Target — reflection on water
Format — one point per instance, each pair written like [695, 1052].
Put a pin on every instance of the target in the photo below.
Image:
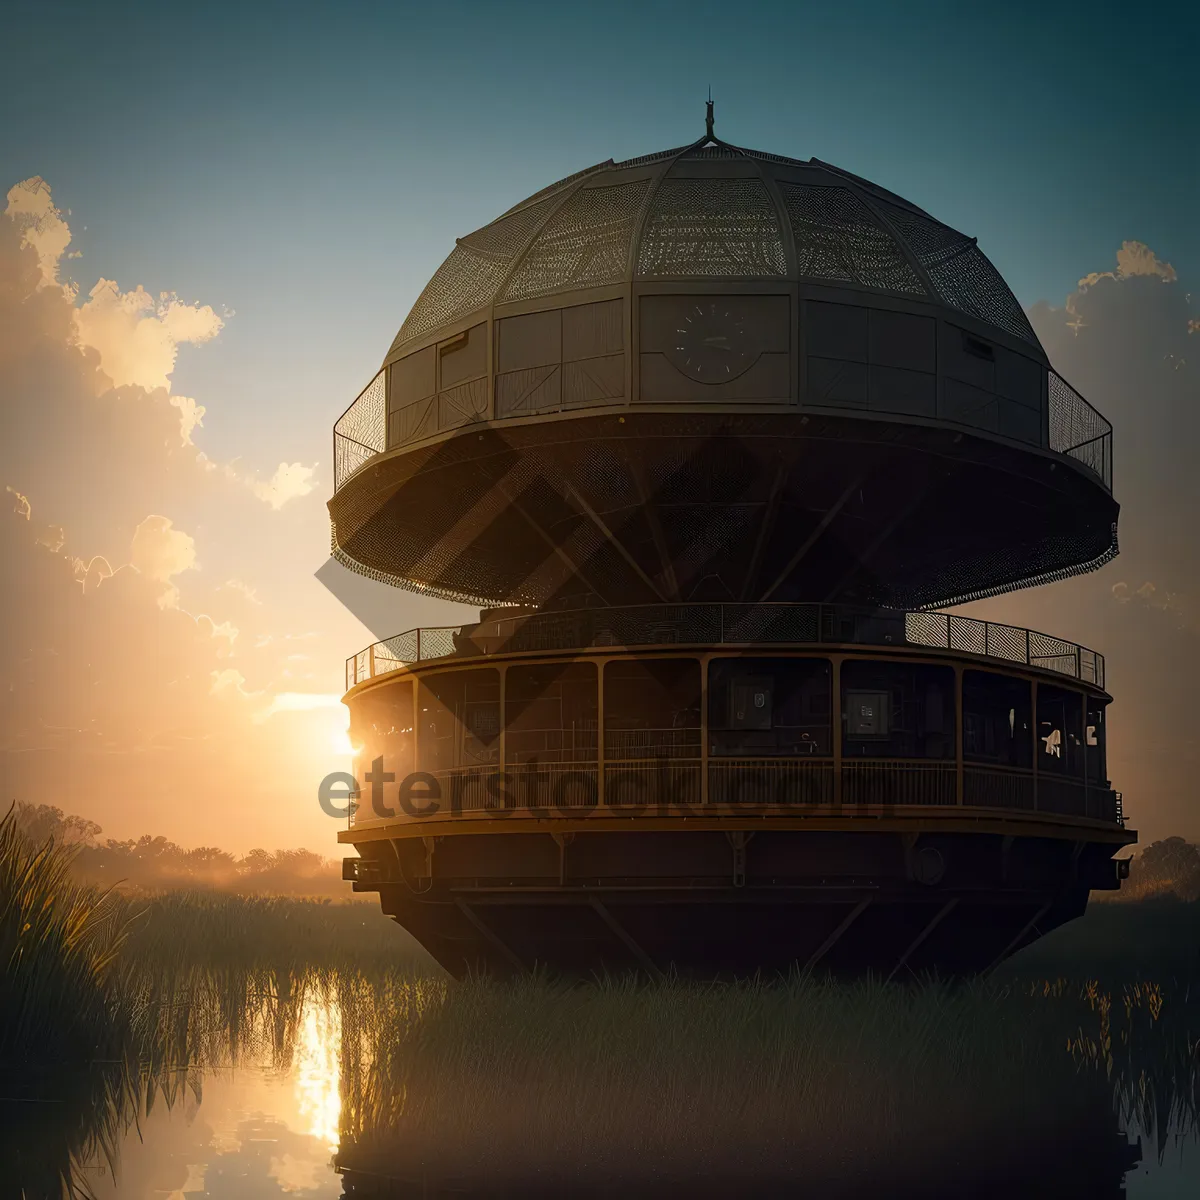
[316, 1070]
[327, 1084]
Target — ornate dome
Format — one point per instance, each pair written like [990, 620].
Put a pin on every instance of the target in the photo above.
[713, 211]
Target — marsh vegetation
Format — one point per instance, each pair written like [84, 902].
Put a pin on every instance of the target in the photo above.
[113, 1004]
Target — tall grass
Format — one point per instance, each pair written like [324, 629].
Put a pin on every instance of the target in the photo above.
[807, 1078]
[58, 944]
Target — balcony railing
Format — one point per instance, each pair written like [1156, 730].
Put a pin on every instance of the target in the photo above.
[728, 624]
[361, 431]
[1076, 430]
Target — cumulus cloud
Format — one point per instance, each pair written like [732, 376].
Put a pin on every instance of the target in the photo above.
[138, 335]
[133, 684]
[160, 551]
[290, 481]
[42, 226]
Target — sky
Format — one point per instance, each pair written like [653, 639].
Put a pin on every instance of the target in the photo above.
[238, 204]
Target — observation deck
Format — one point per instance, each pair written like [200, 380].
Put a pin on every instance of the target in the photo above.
[717, 374]
[641, 759]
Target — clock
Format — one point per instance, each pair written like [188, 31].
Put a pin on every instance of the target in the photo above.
[711, 341]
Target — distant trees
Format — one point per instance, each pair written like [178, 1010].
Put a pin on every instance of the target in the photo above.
[1171, 865]
[152, 863]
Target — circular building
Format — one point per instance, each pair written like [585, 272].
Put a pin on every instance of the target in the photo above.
[708, 434]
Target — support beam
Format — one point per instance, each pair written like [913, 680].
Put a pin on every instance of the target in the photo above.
[558, 551]
[613, 540]
[836, 935]
[901, 514]
[764, 528]
[644, 960]
[934, 922]
[1037, 916]
[490, 936]
[650, 511]
[813, 537]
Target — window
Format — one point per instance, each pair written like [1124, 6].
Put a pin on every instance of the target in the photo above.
[997, 719]
[550, 714]
[897, 710]
[381, 726]
[460, 719]
[769, 707]
[652, 709]
[1060, 731]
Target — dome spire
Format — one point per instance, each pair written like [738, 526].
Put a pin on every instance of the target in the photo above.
[708, 118]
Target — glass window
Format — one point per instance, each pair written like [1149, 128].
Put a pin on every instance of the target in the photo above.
[897, 710]
[997, 719]
[1060, 731]
[381, 726]
[550, 713]
[652, 709]
[1094, 742]
[770, 707]
[460, 719]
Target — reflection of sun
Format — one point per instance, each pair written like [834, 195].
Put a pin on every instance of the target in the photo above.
[317, 1071]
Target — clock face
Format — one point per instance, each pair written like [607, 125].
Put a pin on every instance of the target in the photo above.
[711, 342]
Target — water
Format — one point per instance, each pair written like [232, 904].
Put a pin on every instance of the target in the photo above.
[268, 1083]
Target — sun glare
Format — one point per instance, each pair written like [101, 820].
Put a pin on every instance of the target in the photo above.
[317, 1068]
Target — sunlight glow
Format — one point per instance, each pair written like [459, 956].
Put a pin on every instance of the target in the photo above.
[317, 1071]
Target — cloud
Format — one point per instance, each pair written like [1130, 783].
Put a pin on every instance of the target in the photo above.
[249, 594]
[138, 336]
[301, 702]
[41, 224]
[289, 481]
[160, 551]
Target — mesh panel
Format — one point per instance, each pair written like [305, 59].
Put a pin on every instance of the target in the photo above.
[463, 283]
[361, 431]
[969, 635]
[552, 188]
[837, 238]
[961, 273]
[468, 279]
[927, 629]
[711, 227]
[585, 243]
[1078, 430]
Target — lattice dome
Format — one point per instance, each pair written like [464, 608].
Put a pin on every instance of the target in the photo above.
[713, 211]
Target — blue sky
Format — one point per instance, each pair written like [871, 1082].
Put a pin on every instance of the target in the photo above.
[308, 166]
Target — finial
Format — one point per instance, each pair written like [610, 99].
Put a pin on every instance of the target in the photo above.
[708, 117]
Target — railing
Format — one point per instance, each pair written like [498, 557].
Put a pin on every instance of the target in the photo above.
[361, 431]
[770, 781]
[1078, 430]
[729, 624]
[895, 782]
[668, 783]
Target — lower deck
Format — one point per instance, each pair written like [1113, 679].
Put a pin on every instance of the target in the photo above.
[730, 894]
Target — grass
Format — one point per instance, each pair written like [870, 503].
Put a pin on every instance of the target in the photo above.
[814, 1079]
[108, 1002]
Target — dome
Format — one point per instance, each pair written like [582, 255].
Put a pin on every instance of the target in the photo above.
[713, 211]
[716, 374]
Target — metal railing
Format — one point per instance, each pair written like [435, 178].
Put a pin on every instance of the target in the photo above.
[1077, 430]
[361, 431]
[728, 624]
